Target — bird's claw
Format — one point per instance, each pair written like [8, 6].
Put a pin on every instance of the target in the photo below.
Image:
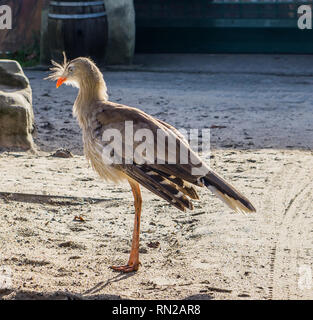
[126, 269]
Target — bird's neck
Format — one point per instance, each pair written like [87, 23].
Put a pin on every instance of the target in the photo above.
[90, 91]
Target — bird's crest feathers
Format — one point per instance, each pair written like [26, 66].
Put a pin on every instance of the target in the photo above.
[58, 69]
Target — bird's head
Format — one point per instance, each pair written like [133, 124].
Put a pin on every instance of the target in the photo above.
[81, 73]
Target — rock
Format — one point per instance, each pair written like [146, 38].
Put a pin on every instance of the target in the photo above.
[45, 56]
[153, 245]
[16, 112]
[122, 31]
[62, 153]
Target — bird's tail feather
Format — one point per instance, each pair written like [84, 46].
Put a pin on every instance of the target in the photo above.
[227, 193]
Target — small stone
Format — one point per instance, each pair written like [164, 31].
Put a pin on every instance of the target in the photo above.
[153, 245]
[62, 153]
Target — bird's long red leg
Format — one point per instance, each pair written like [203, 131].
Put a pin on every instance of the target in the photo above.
[133, 262]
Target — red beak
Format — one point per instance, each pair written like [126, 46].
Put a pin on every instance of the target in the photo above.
[61, 81]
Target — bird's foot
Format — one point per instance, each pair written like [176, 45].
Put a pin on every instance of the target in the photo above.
[131, 267]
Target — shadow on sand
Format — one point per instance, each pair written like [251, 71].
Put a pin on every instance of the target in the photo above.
[51, 199]
[90, 294]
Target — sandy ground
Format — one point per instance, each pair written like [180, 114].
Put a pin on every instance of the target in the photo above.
[262, 143]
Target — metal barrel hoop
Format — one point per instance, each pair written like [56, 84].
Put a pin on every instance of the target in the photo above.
[76, 4]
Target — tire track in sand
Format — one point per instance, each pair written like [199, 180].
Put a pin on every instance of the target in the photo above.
[293, 222]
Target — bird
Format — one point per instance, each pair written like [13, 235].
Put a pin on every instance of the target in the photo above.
[173, 181]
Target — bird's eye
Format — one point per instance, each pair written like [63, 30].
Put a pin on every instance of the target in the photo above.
[70, 69]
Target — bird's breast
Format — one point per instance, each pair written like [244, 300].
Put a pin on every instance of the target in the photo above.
[93, 150]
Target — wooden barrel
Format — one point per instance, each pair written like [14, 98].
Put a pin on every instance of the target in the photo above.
[79, 28]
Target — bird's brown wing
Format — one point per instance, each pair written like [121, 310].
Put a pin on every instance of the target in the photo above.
[164, 173]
